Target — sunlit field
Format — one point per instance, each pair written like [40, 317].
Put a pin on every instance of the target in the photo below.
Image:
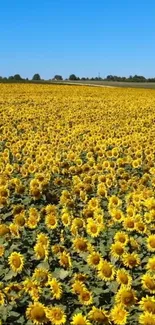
[77, 205]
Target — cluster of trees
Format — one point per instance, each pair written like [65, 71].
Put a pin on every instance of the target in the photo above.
[73, 77]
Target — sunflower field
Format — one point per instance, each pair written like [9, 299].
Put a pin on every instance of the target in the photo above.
[77, 205]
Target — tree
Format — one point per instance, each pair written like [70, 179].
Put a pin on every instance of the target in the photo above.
[11, 78]
[73, 77]
[58, 77]
[17, 77]
[36, 77]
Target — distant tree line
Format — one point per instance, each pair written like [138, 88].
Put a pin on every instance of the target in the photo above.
[73, 77]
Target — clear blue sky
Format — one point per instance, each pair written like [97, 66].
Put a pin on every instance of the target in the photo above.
[77, 36]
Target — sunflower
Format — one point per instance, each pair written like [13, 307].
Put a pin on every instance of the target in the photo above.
[16, 262]
[66, 219]
[148, 282]
[32, 288]
[35, 193]
[99, 315]
[2, 300]
[106, 271]
[19, 219]
[123, 277]
[79, 319]
[101, 190]
[131, 260]
[78, 287]
[56, 288]
[14, 230]
[148, 304]
[41, 251]
[32, 222]
[37, 313]
[93, 229]
[134, 244]
[151, 243]
[4, 230]
[80, 244]
[129, 223]
[117, 215]
[2, 249]
[41, 276]
[119, 315]
[13, 291]
[65, 260]
[125, 297]
[140, 227]
[93, 259]
[78, 223]
[50, 209]
[80, 276]
[151, 264]
[114, 201]
[121, 237]
[93, 204]
[17, 209]
[117, 249]
[85, 297]
[51, 221]
[43, 239]
[147, 318]
[56, 315]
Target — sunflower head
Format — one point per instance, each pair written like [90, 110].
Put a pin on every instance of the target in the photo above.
[119, 315]
[56, 315]
[16, 262]
[99, 315]
[37, 313]
[106, 271]
[126, 297]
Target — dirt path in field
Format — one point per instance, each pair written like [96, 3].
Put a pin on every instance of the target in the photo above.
[84, 84]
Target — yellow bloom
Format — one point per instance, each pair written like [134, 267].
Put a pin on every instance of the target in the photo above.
[125, 297]
[56, 288]
[93, 259]
[79, 319]
[37, 313]
[85, 297]
[148, 304]
[78, 287]
[93, 229]
[117, 249]
[151, 243]
[123, 277]
[147, 319]
[151, 264]
[121, 237]
[80, 244]
[130, 260]
[99, 315]
[119, 315]
[41, 251]
[148, 282]
[41, 276]
[106, 271]
[56, 315]
[2, 300]
[2, 249]
[51, 221]
[65, 260]
[16, 262]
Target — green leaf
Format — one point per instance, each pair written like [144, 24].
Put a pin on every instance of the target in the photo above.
[10, 275]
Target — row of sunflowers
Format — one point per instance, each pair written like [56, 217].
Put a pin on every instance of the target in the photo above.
[77, 205]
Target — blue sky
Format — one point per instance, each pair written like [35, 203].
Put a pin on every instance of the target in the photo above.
[84, 37]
